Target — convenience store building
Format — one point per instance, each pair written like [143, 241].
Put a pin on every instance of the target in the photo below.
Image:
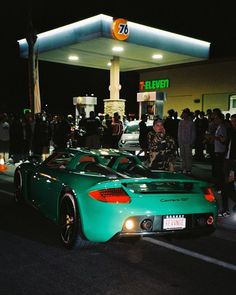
[200, 85]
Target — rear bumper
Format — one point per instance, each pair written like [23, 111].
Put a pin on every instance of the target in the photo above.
[196, 224]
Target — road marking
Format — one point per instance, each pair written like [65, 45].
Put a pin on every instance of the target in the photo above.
[175, 248]
[6, 193]
[191, 253]
[6, 178]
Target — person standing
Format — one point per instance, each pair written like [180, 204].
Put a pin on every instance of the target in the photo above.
[161, 147]
[80, 136]
[169, 123]
[16, 139]
[186, 138]
[61, 132]
[201, 125]
[4, 136]
[228, 187]
[27, 135]
[92, 125]
[220, 139]
[143, 133]
[107, 133]
[117, 130]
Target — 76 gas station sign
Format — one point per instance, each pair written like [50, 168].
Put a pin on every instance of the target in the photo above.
[120, 29]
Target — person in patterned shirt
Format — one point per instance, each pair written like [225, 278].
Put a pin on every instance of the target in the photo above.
[162, 148]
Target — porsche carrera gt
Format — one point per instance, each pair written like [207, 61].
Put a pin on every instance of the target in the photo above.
[98, 195]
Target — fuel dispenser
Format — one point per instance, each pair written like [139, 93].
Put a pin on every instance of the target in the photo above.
[151, 103]
[84, 105]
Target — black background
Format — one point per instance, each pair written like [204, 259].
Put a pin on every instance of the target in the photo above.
[212, 21]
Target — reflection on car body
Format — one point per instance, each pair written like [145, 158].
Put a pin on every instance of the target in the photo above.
[98, 195]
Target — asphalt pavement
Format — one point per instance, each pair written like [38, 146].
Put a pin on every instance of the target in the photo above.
[200, 170]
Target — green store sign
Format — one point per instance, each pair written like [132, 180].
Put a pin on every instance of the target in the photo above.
[154, 84]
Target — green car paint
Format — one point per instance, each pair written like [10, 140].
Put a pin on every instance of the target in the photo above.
[153, 196]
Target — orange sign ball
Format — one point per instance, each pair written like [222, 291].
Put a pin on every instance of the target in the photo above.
[120, 29]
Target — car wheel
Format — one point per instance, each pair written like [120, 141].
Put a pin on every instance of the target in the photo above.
[70, 224]
[19, 187]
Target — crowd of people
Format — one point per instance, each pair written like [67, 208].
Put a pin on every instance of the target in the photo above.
[25, 136]
[104, 131]
[211, 135]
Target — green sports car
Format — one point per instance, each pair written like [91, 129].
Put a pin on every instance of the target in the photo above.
[97, 195]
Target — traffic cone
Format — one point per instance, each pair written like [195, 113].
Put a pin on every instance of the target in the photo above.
[3, 167]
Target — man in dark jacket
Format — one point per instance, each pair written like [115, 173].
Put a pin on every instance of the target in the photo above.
[229, 186]
[92, 125]
[143, 132]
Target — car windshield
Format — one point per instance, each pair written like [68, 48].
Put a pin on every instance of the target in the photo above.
[108, 159]
[136, 170]
[159, 187]
[58, 160]
[92, 167]
[132, 129]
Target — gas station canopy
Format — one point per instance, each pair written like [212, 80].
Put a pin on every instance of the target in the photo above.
[93, 42]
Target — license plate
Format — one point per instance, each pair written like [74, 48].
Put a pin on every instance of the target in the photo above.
[171, 222]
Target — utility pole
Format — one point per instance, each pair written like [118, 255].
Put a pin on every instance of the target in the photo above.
[31, 40]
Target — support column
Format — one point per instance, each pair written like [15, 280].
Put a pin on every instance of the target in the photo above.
[31, 39]
[114, 103]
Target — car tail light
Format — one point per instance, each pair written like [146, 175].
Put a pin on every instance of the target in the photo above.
[209, 195]
[210, 220]
[111, 195]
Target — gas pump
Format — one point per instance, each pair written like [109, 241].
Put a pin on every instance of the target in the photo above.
[151, 103]
[83, 105]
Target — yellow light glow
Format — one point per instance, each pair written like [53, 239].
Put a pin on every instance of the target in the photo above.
[117, 49]
[129, 224]
[73, 57]
[157, 56]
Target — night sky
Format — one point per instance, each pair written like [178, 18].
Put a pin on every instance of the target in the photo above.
[212, 21]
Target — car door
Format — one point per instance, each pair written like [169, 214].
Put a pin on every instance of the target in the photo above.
[46, 184]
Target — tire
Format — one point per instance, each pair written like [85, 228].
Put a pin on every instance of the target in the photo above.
[70, 225]
[18, 182]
